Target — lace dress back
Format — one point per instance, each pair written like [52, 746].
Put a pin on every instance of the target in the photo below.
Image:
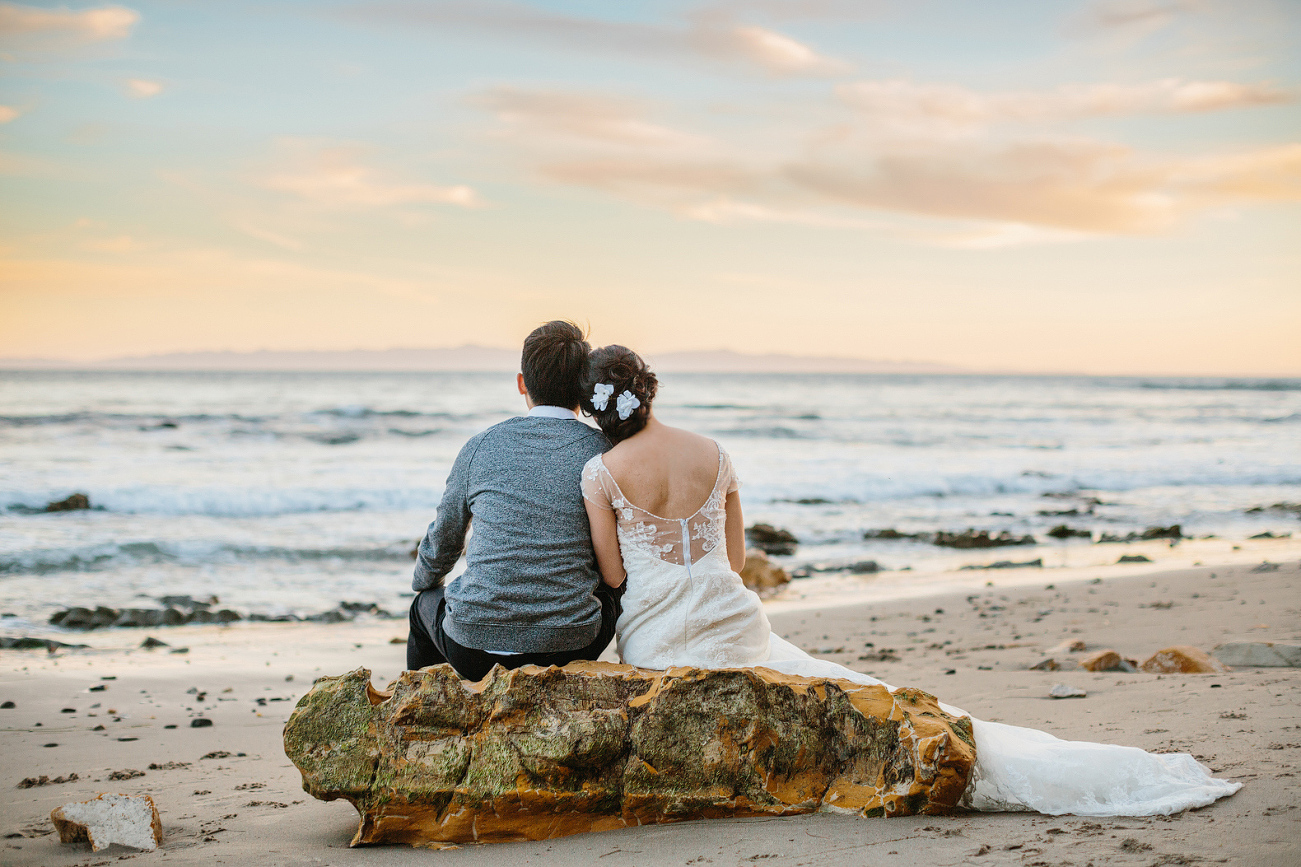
[679, 541]
[683, 605]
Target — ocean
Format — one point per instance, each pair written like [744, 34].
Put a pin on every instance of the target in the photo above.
[285, 493]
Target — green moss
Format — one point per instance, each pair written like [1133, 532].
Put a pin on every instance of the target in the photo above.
[962, 728]
[331, 736]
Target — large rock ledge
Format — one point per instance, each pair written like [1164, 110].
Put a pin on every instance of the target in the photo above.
[538, 753]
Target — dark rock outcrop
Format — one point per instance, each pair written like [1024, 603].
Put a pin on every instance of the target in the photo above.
[771, 540]
[25, 642]
[852, 567]
[1174, 533]
[891, 534]
[1285, 508]
[537, 753]
[1036, 563]
[180, 610]
[980, 539]
[1062, 531]
[74, 503]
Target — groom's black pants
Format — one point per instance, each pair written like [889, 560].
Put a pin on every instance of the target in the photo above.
[428, 644]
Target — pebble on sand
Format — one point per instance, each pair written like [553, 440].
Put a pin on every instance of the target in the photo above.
[1062, 690]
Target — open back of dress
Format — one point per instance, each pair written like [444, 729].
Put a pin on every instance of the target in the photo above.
[684, 605]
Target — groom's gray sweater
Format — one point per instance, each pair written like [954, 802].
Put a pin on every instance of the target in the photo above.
[530, 570]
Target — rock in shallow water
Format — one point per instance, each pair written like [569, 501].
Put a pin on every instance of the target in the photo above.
[74, 503]
[979, 539]
[771, 540]
[537, 753]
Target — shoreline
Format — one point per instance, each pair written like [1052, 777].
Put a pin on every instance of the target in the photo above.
[971, 652]
[891, 585]
[961, 571]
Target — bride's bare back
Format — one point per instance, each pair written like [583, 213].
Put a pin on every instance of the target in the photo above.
[664, 470]
[671, 475]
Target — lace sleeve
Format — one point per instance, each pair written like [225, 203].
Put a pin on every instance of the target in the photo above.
[730, 482]
[596, 484]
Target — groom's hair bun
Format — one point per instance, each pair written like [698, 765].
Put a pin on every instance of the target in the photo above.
[553, 362]
[625, 370]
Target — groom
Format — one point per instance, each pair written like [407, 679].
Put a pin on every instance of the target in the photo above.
[530, 593]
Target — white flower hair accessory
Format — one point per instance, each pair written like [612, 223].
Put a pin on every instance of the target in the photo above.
[626, 404]
[601, 396]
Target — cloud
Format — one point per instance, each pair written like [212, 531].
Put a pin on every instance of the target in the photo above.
[64, 25]
[726, 211]
[712, 38]
[1080, 186]
[1266, 175]
[143, 88]
[768, 49]
[335, 177]
[1131, 17]
[794, 10]
[8, 113]
[1073, 186]
[908, 106]
[582, 117]
[1030, 189]
[994, 236]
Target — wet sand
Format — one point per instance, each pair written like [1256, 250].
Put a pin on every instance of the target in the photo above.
[227, 794]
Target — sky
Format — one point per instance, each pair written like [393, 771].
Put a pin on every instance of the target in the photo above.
[1044, 186]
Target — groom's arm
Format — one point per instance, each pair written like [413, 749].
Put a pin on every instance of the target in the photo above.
[444, 541]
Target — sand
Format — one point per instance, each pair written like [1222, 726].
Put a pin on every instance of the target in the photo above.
[228, 795]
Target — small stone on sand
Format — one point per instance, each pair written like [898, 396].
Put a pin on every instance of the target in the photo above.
[127, 820]
[1062, 690]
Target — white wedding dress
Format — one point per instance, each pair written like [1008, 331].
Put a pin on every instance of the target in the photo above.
[684, 606]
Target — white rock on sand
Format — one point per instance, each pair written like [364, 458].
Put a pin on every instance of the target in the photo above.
[130, 820]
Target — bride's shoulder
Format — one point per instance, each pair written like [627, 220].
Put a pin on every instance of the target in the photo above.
[695, 442]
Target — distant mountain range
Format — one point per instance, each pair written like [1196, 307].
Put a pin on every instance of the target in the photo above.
[471, 357]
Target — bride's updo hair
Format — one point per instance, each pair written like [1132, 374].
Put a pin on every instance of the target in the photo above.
[621, 368]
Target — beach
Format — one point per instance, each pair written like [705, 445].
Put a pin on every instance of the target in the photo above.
[227, 793]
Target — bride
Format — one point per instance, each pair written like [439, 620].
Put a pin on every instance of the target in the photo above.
[666, 518]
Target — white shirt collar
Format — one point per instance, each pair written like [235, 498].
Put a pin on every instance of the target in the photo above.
[553, 412]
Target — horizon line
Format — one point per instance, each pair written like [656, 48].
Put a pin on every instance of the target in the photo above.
[501, 359]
